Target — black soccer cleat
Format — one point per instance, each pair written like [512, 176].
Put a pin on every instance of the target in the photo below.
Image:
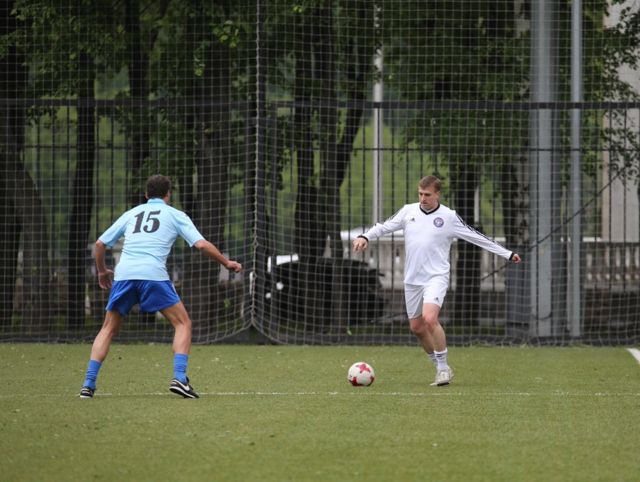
[183, 389]
[86, 392]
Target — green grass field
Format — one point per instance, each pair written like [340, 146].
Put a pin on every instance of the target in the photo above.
[275, 413]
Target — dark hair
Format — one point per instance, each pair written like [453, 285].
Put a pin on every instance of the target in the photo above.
[158, 186]
[429, 181]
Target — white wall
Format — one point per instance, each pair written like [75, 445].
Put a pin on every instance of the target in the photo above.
[620, 210]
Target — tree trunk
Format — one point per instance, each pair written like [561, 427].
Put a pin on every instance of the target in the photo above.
[138, 131]
[15, 79]
[328, 117]
[468, 266]
[317, 211]
[309, 224]
[9, 238]
[23, 195]
[203, 300]
[79, 223]
[514, 189]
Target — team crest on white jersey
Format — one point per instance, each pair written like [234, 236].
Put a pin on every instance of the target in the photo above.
[438, 222]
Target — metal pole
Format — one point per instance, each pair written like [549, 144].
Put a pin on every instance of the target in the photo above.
[260, 216]
[377, 129]
[545, 260]
[575, 276]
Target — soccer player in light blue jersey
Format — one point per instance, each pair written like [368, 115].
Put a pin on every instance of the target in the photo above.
[429, 229]
[141, 277]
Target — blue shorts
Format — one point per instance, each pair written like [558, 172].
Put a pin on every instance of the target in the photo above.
[152, 296]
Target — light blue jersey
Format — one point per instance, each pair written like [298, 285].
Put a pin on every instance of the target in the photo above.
[149, 233]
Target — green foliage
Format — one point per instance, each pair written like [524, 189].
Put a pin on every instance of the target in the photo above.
[190, 33]
[477, 51]
[66, 45]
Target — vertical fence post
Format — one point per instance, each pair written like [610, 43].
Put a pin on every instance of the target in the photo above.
[575, 275]
[260, 174]
[545, 179]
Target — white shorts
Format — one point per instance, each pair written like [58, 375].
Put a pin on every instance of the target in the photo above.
[417, 295]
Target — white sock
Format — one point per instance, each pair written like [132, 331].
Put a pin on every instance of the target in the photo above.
[433, 358]
[441, 357]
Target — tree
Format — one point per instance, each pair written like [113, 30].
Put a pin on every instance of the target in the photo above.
[22, 195]
[471, 53]
[67, 54]
[70, 50]
[21, 212]
[323, 59]
[479, 52]
[140, 27]
[202, 56]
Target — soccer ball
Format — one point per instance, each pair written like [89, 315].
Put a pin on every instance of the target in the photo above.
[361, 374]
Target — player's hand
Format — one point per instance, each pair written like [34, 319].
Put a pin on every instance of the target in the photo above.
[360, 244]
[515, 259]
[234, 266]
[104, 279]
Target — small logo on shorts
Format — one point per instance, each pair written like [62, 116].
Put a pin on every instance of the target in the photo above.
[438, 222]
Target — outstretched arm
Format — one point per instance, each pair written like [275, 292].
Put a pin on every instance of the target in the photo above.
[210, 251]
[394, 223]
[462, 230]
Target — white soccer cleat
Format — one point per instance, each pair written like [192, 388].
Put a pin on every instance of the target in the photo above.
[443, 377]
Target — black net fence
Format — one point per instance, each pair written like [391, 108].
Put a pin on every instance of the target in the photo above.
[289, 130]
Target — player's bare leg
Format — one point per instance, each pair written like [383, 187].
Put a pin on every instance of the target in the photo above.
[100, 350]
[111, 326]
[428, 330]
[179, 318]
[430, 312]
[419, 329]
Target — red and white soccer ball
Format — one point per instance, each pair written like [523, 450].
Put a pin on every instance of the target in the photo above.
[361, 374]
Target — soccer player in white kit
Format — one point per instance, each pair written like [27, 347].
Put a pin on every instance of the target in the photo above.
[429, 229]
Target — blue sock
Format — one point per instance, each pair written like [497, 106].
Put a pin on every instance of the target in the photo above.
[92, 374]
[180, 367]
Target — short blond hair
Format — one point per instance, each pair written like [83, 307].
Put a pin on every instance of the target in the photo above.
[429, 181]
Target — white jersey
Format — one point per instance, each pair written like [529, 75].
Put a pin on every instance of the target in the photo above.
[427, 240]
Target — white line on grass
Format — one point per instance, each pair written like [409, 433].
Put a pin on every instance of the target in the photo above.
[412, 394]
[351, 393]
[635, 352]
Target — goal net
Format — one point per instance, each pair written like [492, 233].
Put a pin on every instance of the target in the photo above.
[288, 130]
